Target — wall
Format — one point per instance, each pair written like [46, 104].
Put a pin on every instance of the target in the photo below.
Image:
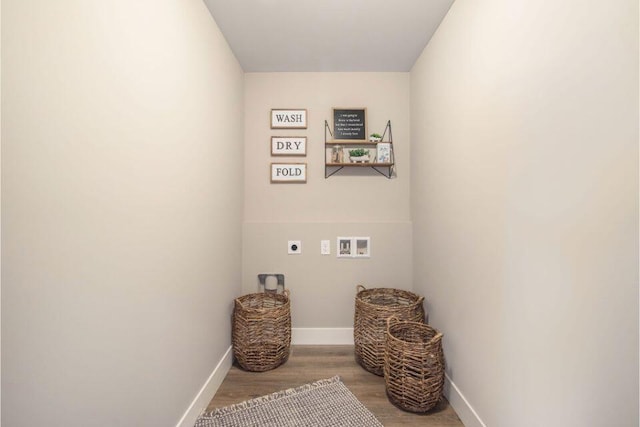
[351, 203]
[524, 125]
[0, 209]
[121, 218]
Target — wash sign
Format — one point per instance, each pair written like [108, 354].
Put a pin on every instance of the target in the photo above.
[288, 119]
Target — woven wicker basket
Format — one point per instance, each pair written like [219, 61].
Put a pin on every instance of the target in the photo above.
[262, 330]
[413, 365]
[373, 308]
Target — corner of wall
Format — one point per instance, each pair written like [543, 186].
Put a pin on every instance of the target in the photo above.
[207, 391]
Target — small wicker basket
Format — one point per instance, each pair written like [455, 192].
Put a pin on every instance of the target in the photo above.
[413, 365]
[261, 333]
[373, 308]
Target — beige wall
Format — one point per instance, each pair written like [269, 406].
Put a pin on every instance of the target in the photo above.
[123, 183]
[524, 125]
[121, 243]
[0, 211]
[351, 203]
[323, 287]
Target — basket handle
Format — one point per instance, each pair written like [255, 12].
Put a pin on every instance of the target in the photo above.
[389, 320]
[437, 337]
[360, 288]
[286, 293]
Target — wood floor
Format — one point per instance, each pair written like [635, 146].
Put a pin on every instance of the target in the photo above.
[311, 363]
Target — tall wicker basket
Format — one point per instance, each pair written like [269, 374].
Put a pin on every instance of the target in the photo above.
[262, 330]
[413, 365]
[373, 308]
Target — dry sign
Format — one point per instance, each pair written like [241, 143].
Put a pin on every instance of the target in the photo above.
[288, 172]
[288, 145]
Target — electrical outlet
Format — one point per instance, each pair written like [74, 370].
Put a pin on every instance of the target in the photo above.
[294, 247]
[325, 247]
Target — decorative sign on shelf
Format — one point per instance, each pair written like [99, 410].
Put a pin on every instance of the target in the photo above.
[288, 145]
[383, 150]
[350, 124]
[288, 172]
[288, 119]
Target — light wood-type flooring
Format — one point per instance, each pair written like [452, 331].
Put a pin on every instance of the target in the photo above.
[311, 363]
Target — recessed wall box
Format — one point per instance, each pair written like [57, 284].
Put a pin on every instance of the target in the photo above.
[294, 247]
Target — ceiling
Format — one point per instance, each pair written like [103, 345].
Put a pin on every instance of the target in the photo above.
[327, 35]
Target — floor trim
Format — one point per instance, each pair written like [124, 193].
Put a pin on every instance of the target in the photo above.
[207, 391]
[316, 336]
[460, 404]
[322, 336]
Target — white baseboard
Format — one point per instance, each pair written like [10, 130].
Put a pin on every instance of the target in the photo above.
[207, 391]
[322, 336]
[316, 336]
[299, 336]
[459, 403]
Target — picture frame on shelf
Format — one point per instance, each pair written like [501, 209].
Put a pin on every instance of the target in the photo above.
[383, 152]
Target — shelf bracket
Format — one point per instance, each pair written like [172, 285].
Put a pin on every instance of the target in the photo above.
[332, 173]
[386, 175]
[327, 128]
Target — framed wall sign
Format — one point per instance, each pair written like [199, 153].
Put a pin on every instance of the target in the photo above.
[288, 118]
[350, 124]
[288, 173]
[288, 145]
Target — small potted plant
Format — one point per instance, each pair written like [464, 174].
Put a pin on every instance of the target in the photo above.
[359, 155]
[375, 137]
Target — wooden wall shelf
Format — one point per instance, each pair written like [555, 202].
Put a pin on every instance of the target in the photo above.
[331, 167]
